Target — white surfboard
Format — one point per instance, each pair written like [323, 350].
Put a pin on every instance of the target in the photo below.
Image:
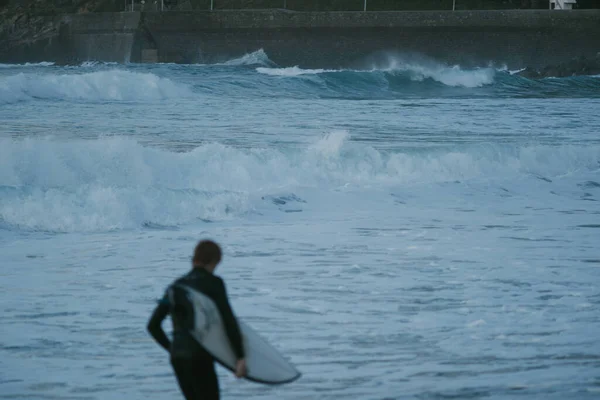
[264, 364]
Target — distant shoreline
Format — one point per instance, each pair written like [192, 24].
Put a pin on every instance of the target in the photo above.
[517, 38]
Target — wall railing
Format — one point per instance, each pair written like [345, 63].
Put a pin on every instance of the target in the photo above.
[356, 5]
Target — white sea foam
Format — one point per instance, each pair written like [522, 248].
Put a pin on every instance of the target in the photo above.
[28, 65]
[258, 57]
[447, 75]
[94, 86]
[118, 183]
[293, 71]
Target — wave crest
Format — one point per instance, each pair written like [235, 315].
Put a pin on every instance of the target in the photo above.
[294, 71]
[112, 85]
[258, 57]
[394, 67]
[28, 65]
[110, 184]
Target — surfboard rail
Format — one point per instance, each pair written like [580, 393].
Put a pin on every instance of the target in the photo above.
[265, 364]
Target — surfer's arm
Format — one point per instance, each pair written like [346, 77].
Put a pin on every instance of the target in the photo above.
[155, 324]
[229, 321]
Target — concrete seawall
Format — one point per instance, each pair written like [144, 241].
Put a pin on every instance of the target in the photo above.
[517, 38]
[100, 37]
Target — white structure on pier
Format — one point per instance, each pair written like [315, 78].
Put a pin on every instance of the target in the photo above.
[562, 4]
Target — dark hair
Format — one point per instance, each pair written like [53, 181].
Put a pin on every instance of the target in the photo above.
[207, 252]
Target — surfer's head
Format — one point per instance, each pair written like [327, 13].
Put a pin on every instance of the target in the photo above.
[207, 255]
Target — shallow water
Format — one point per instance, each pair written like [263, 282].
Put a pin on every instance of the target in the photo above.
[407, 231]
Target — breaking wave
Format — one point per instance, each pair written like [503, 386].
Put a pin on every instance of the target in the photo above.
[397, 77]
[258, 57]
[114, 85]
[28, 65]
[108, 184]
[449, 76]
[255, 75]
[294, 71]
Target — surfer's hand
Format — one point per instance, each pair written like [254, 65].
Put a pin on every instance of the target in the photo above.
[240, 368]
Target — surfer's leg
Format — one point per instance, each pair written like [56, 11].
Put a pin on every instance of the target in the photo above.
[210, 382]
[197, 378]
[184, 371]
[205, 381]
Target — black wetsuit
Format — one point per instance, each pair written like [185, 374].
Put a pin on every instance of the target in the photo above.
[193, 366]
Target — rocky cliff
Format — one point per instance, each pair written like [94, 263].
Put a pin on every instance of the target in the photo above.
[29, 27]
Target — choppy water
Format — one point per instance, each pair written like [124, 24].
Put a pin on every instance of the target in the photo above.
[406, 231]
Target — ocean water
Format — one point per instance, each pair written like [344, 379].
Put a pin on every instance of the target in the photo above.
[410, 230]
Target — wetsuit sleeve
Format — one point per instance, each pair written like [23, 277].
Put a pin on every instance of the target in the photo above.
[231, 326]
[155, 323]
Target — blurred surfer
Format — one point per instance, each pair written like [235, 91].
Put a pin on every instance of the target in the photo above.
[194, 366]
